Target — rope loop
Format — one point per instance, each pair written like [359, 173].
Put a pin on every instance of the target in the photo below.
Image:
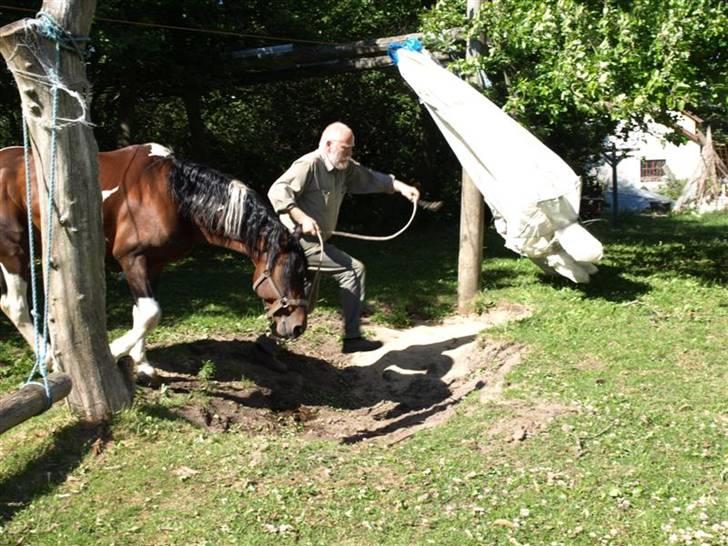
[379, 237]
[315, 280]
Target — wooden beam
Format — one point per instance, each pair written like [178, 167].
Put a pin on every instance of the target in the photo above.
[31, 400]
[289, 55]
[293, 62]
[326, 68]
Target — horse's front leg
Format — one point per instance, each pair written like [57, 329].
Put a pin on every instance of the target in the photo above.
[146, 314]
[14, 304]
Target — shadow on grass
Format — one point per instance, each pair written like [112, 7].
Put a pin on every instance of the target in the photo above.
[48, 469]
[608, 284]
[410, 378]
[311, 380]
[640, 247]
[159, 412]
[671, 246]
[210, 277]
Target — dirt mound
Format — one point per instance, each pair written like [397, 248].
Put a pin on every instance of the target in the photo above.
[414, 381]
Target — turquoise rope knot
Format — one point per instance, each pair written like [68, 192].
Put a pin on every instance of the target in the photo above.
[49, 28]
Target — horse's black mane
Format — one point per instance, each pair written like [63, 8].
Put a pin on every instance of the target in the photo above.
[203, 195]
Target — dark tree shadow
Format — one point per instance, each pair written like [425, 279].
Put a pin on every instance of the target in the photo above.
[50, 468]
[670, 246]
[209, 278]
[608, 284]
[410, 378]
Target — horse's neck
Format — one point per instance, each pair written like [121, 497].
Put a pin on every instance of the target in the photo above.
[223, 242]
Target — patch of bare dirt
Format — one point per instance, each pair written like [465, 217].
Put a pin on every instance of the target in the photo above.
[415, 381]
[526, 421]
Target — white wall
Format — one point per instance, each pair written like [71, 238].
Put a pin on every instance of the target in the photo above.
[681, 160]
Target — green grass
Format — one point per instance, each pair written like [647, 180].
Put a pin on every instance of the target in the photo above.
[640, 354]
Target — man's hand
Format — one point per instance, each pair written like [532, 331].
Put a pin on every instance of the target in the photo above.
[308, 224]
[407, 191]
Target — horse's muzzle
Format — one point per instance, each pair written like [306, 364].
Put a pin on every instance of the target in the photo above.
[290, 326]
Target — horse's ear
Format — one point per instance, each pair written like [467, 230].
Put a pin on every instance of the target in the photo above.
[297, 232]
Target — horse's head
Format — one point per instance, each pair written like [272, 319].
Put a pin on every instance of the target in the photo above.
[279, 280]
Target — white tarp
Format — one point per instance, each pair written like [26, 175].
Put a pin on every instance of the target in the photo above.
[533, 194]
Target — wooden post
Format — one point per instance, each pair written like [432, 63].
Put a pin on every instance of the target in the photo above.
[472, 214]
[613, 160]
[31, 400]
[615, 192]
[77, 298]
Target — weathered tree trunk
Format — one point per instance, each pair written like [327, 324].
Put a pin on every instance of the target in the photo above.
[77, 298]
[472, 214]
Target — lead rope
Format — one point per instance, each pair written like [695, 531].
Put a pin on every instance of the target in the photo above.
[377, 237]
[354, 236]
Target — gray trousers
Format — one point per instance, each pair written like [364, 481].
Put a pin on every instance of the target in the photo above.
[347, 271]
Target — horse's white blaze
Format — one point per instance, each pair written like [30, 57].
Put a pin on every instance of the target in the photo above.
[105, 194]
[146, 315]
[237, 193]
[158, 150]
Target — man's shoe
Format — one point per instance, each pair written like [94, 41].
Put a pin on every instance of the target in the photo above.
[359, 345]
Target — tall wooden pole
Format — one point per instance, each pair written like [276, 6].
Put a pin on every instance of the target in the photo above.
[472, 214]
[77, 295]
[615, 192]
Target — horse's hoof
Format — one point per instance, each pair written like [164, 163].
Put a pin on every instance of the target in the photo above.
[144, 380]
[147, 376]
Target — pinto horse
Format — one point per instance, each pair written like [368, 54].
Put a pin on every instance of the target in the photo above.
[155, 209]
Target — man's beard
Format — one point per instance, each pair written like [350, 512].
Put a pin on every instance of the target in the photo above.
[339, 161]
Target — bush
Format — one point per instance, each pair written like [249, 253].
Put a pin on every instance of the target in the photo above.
[673, 187]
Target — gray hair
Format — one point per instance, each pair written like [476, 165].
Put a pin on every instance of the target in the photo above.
[334, 131]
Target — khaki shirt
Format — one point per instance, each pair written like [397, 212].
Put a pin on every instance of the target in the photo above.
[315, 186]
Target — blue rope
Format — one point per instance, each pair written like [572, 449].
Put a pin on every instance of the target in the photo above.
[50, 29]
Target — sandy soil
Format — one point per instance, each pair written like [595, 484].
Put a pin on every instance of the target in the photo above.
[415, 381]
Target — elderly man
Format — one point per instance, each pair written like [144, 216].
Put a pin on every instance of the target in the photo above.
[309, 194]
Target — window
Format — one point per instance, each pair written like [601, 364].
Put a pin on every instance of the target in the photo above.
[652, 169]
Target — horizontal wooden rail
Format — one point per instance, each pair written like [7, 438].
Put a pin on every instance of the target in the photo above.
[289, 55]
[31, 400]
[293, 61]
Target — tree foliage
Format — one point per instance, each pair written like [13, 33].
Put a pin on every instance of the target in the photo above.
[572, 69]
[166, 83]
